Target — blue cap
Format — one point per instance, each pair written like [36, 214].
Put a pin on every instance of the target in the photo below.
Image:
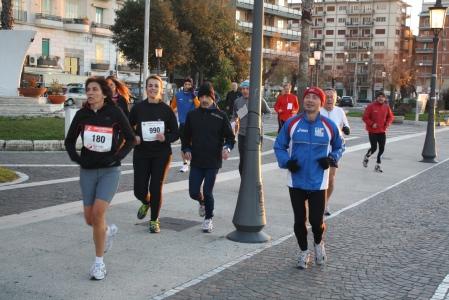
[245, 84]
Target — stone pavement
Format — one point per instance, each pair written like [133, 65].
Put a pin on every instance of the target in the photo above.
[394, 246]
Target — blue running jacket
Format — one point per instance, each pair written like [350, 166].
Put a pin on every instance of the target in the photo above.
[307, 141]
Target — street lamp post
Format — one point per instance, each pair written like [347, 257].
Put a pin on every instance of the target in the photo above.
[312, 63]
[437, 18]
[317, 57]
[158, 51]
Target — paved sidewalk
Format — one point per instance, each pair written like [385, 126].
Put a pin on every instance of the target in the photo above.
[47, 253]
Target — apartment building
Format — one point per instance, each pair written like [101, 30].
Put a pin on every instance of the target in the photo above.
[73, 38]
[280, 40]
[361, 41]
[424, 52]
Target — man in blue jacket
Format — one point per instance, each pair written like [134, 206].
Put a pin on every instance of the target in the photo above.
[307, 145]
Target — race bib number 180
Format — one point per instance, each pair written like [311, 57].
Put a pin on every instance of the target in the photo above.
[151, 129]
[98, 139]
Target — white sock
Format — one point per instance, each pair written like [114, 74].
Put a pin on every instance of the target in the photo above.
[98, 260]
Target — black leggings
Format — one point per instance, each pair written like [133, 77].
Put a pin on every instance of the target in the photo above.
[280, 124]
[316, 201]
[150, 172]
[374, 139]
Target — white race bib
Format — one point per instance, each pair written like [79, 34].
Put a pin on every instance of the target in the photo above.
[289, 106]
[242, 112]
[151, 128]
[98, 139]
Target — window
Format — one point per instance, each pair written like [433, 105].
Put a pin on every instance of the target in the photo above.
[99, 52]
[381, 19]
[280, 23]
[379, 44]
[319, 9]
[72, 9]
[340, 44]
[380, 31]
[398, 32]
[381, 6]
[341, 20]
[327, 68]
[330, 20]
[281, 2]
[279, 45]
[339, 67]
[331, 8]
[329, 32]
[341, 8]
[329, 44]
[378, 56]
[45, 47]
[328, 55]
[237, 14]
[354, 20]
[340, 55]
[46, 7]
[99, 15]
[71, 65]
[341, 32]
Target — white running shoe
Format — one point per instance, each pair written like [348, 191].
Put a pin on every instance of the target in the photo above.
[320, 254]
[303, 259]
[378, 168]
[207, 225]
[202, 210]
[110, 234]
[365, 161]
[97, 271]
[184, 168]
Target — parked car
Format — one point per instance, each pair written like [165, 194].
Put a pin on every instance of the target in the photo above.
[346, 101]
[75, 96]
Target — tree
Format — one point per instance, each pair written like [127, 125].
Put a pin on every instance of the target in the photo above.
[129, 33]
[306, 21]
[7, 20]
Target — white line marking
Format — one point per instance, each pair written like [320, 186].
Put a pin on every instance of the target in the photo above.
[440, 291]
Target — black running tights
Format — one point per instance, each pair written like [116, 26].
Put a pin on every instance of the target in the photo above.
[374, 139]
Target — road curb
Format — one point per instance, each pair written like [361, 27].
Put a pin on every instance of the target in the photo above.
[34, 145]
[22, 178]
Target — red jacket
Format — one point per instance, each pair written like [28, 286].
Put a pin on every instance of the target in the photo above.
[286, 106]
[380, 114]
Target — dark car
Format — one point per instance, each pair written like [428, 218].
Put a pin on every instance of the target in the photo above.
[346, 101]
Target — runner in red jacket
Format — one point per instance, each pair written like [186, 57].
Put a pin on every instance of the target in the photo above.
[377, 117]
[286, 105]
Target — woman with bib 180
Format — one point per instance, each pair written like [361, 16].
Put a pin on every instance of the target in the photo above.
[156, 128]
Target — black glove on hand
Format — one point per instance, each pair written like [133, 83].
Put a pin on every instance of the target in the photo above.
[292, 165]
[346, 130]
[325, 162]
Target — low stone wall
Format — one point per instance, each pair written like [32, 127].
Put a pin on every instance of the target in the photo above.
[38, 145]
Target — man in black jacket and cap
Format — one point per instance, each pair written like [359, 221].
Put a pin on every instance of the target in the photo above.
[208, 139]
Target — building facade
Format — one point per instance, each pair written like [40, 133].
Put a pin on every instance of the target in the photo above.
[73, 38]
[280, 40]
[360, 43]
[424, 52]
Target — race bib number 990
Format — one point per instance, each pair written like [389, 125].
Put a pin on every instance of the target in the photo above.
[151, 129]
[98, 139]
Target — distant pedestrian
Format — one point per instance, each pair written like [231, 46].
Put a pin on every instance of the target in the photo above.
[102, 127]
[156, 128]
[307, 145]
[120, 94]
[377, 117]
[286, 105]
[208, 138]
[240, 117]
[338, 116]
[233, 94]
[183, 102]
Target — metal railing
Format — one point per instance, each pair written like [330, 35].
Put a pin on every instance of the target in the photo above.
[48, 17]
[271, 29]
[100, 25]
[76, 21]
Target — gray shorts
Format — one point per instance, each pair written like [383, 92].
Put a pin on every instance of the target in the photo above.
[99, 184]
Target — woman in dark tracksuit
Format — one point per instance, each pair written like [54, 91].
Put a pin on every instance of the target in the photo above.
[102, 127]
[156, 128]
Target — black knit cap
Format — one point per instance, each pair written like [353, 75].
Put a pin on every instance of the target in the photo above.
[188, 79]
[206, 89]
[379, 93]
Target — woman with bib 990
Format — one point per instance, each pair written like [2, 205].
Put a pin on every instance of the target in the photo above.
[102, 126]
[156, 128]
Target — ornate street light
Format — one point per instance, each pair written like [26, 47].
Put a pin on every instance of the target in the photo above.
[317, 57]
[312, 63]
[158, 51]
[437, 18]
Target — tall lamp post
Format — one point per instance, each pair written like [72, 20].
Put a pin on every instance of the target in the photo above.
[317, 57]
[437, 18]
[312, 64]
[158, 51]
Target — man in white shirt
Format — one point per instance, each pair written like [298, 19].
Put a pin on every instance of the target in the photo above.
[338, 116]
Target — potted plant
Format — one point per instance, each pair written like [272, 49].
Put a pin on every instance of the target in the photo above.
[55, 93]
[32, 90]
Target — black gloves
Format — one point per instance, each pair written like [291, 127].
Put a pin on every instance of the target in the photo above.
[325, 162]
[292, 165]
[346, 130]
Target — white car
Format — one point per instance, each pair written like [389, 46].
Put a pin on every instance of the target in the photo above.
[75, 96]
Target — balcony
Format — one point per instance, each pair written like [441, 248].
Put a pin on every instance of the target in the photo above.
[48, 61]
[358, 36]
[318, 37]
[272, 53]
[423, 63]
[272, 9]
[20, 16]
[317, 25]
[271, 31]
[76, 25]
[424, 75]
[359, 11]
[101, 29]
[48, 21]
[424, 50]
[424, 26]
[358, 48]
[99, 65]
[425, 39]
